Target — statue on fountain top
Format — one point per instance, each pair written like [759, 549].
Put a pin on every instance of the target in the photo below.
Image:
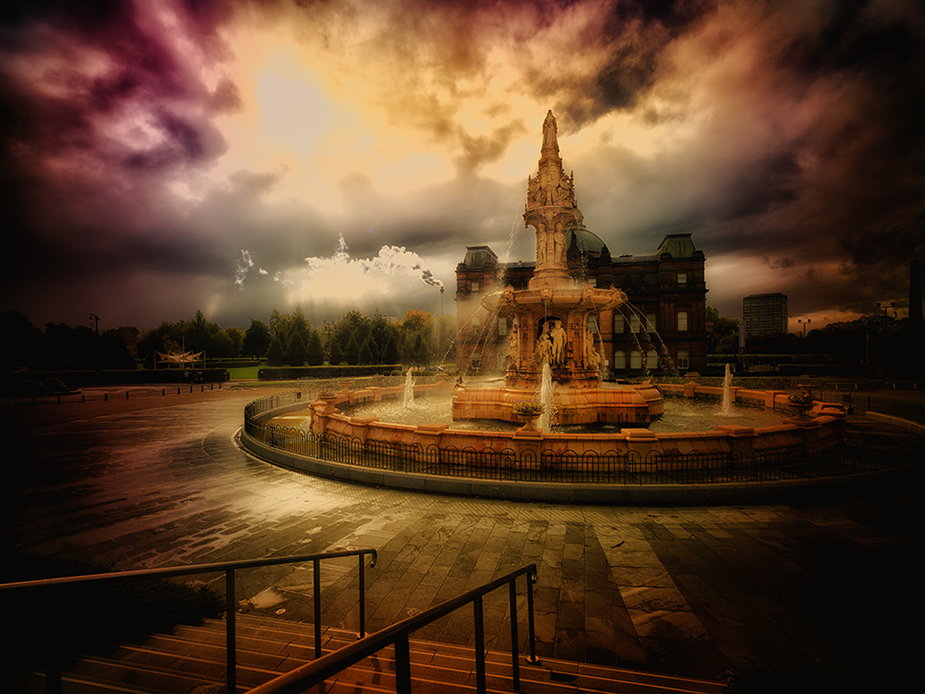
[550, 129]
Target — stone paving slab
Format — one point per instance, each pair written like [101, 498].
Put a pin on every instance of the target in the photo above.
[692, 591]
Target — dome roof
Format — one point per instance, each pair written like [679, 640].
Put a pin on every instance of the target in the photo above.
[585, 241]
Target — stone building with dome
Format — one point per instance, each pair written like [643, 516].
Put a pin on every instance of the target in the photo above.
[660, 327]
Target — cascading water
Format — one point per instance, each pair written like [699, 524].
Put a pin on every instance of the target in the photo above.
[409, 391]
[547, 398]
[727, 391]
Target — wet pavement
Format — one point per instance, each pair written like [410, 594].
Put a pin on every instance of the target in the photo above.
[699, 591]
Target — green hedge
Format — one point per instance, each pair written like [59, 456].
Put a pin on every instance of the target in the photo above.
[291, 373]
[44, 382]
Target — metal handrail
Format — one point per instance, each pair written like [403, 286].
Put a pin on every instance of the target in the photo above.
[315, 672]
[53, 679]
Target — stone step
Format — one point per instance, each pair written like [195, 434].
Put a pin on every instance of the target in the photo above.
[192, 660]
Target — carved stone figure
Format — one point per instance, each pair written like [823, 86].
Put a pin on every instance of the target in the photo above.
[543, 348]
[541, 244]
[549, 131]
[559, 338]
[512, 347]
[560, 243]
[591, 354]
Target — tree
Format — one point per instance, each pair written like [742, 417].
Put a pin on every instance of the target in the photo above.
[416, 330]
[336, 353]
[295, 350]
[366, 353]
[314, 353]
[722, 332]
[352, 351]
[20, 343]
[276, 352]
[236, 339]
[256, 338]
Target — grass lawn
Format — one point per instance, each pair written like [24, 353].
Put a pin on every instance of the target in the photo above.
[243, 372]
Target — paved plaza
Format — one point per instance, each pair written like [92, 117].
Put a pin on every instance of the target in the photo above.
[161, 481]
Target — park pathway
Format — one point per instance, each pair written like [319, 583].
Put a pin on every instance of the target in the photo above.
[689, 591]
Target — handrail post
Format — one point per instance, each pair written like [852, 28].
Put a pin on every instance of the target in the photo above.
[515, 646]
[531, 579]
[316, 601]
[362, 596]
[479, 646]
[402, 665]
[230, 646]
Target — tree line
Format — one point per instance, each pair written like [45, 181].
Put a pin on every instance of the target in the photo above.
[285, 339]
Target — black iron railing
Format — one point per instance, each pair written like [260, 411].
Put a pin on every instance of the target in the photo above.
[618, 468]
[862, 403]
[306, 676]
[53, 672]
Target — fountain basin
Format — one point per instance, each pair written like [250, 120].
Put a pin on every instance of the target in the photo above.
[632, 404]
[630, 446]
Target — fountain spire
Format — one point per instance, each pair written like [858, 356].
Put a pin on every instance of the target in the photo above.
[551, 210]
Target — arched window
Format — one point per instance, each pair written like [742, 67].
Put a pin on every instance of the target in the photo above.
[684, 361]
[651, 359]
[619, 359]
[635, 359]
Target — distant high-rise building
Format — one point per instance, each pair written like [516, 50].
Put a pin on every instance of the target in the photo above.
[765, 313]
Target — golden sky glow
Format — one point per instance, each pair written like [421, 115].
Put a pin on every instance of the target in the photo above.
[161, 142]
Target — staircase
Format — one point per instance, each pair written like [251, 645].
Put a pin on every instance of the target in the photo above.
[191, 660]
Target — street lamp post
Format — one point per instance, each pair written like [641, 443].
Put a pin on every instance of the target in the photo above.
[884, 306]
[804, 324]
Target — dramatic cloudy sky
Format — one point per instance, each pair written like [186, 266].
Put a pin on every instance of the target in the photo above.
[162, 156]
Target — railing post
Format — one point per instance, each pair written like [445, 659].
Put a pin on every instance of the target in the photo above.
[316, 589]
[362, 596]
[531, 579]
[515, 646]
[479, 645]
[402, 665]
[230, 646]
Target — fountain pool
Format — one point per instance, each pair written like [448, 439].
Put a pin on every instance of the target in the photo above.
[680, 414]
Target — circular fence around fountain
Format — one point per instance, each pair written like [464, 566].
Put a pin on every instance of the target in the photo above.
[728, 465]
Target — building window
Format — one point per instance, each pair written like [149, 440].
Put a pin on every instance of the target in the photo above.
[502, 325]
[474, 287]
[634, 323]
[618, 324]
[635, 359]
[682, 321]
[650, 323]
[475, 360]
[476, 321]
[619, 359]
[682, 278]
[592, 325]
[651, 359]
[683, 360]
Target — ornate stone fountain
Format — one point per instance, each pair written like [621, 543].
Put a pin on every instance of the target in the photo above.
[550, 319]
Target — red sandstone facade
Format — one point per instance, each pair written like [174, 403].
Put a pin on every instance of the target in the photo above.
[662, 328]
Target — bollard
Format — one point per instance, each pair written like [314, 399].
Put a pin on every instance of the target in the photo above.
[126, 395]
[163, 391]
[105, 397]
[59, 399]
[83, 398]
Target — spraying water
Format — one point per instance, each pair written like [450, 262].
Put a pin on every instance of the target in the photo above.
[547, 398]
[409, 391]
[727, 390]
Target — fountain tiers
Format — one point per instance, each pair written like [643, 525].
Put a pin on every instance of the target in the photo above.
[665, 450]
[550, 319]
